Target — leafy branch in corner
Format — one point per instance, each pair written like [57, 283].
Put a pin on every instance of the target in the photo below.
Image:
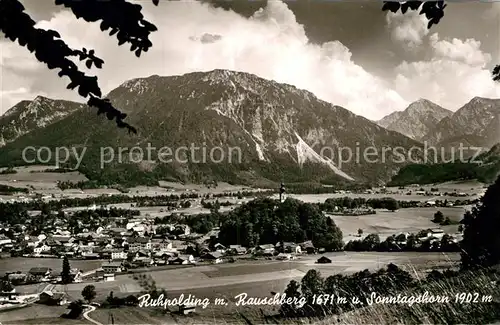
[433, 11]
[123, 18]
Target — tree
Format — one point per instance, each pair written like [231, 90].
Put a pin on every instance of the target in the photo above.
[400, 238]
[76, 309]
[438, 217]
[312, 284]
[131, 300]
[423, 233]
[371, 241]
[6, 286]
[148, 285]
[481, 243]
[433, 11]
[360, 232]
[110, 298]
[446, 222]
[411, 242]
[66, 277]
[291, 291]
[392, 204]
[49, 48]
[88, 293]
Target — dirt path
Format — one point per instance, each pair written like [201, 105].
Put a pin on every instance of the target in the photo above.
[87, 317]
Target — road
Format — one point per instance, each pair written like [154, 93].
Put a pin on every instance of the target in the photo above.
[87, 312]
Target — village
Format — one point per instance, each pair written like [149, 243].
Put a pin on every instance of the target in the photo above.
[109, 245]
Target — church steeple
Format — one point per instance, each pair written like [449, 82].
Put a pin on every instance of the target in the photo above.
[282, 191]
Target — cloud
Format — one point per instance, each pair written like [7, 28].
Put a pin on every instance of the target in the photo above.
[454, 72]
[16, 75]
[410, 28]
[468, 51]
[206, 38]
[197, 37]
[194, 36]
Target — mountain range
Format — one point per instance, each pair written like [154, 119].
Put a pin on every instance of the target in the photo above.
[259, 132]
[417, 120]
[27, 116]
[477, 123]
[282, 133]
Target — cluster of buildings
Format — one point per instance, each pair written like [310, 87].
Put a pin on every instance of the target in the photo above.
[431, 236]
[40, 275]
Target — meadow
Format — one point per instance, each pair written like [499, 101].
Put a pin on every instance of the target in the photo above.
[256, 278]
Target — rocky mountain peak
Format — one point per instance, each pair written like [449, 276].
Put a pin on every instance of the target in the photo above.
[416, 120]
[29, 115]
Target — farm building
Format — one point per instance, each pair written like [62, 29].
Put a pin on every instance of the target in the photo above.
[53, 298]
[323, 260]
[112, 267]
[308, 247]
[267, 249]
[287, 247]
[237, 249]
[187, 309]
[8, 297]
[214, 257]
[437, 233]
[284, 256]
[38, 274]
[181, 259]
[17, 278]
[220, 248]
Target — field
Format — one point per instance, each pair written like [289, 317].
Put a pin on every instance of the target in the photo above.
[219, 276]
[45, 183]
[386, 223]
[256, 278]
[25, 264]
[33, 176]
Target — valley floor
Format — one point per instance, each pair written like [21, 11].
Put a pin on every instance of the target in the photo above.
[256, 278]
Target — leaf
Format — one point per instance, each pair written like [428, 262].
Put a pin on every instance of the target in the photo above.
[104, 26]
[391, 6]
[98, 63]
[156, 2]
[88, 63]
[414, 5]
[496, 70]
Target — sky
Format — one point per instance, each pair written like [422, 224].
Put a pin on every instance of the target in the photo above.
[348, 53]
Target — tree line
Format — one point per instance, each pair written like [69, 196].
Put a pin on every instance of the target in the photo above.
[267, 221]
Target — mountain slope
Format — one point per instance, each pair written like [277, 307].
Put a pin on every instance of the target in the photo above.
[484, 167]
[27, 116]
[251, 128]
[476, 123]
[389, 119]
[416, 120]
